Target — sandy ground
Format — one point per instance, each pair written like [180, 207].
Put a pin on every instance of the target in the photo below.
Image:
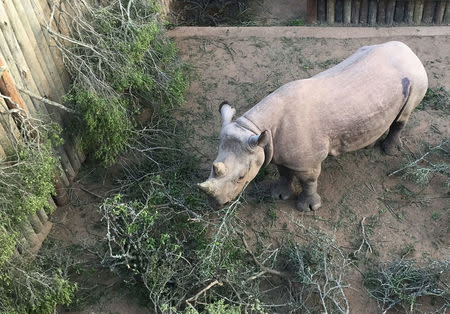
[243, 69]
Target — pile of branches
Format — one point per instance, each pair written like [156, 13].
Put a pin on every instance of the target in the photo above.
[401, 283]
[121, 64]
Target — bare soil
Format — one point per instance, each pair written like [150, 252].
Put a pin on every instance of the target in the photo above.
[353, 185]
[399, 213]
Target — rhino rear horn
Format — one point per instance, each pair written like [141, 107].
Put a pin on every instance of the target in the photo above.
[219, 169]
[227, 113]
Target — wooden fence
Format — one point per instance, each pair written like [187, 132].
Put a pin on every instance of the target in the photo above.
[32, 75]
[379, 12]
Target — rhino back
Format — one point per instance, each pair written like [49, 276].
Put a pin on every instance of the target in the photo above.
[343, 108]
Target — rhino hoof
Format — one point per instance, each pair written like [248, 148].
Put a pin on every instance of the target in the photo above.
[391, 148]
[308, 202]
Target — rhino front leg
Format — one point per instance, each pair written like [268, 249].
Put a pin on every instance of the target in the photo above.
[308, 198]
[283, 188]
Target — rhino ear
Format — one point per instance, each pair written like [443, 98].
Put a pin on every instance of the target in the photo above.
[227, 113]
[259, 140]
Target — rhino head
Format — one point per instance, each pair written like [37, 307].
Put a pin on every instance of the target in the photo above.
[241, 155]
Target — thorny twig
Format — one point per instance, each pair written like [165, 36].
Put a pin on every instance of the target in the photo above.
[364, 241]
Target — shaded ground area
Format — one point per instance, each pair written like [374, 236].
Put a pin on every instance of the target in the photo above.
[404, 219]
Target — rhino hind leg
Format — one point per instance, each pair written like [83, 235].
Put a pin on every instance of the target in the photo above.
[283, 189]
[392, 144]
[308, 199]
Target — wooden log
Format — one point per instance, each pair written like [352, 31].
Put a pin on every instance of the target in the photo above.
[381, 19]
[409, 12]
[446, 19]
[428, 12]
[43, 217]
[37, 69]
[418, 11]
[65, 163]
[364, 11]
[372, 19]
[10, 134]
[61, 198]
[311, 11]
[440, 11]
[347, 11]
[39, 75]
[36, 36]
[27, 230]
[38, 43]
[390, 9]
[356, 6]
[36, 223]
[321, 10]
[55, 52]
[330, 11]
[20, 76]
[339, 11]
[399, 11]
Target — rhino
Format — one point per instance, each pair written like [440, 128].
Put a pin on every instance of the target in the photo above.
[296, 127]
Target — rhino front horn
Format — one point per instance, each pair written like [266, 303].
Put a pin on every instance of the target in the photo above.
[206, 187]
[219, 169]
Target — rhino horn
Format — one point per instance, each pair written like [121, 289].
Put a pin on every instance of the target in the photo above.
[219, 169]
[206, 187]
[227, 113]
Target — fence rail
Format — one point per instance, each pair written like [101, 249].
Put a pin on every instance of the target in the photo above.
[379, 12]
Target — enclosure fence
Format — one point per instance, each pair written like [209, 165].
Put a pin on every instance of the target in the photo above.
[379, 12]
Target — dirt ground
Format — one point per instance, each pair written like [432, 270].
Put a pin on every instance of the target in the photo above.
[402, 214]
[353, 185]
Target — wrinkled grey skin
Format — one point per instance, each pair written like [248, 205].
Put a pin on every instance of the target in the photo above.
[297, 126]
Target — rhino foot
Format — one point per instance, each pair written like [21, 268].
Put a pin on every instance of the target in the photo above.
[308, 202]
[282, 189]
[391, 147]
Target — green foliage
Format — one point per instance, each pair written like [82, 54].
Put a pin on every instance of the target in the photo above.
[105, 128]
[121, 62]
[402, 283]
[436, 99]
[26, 184]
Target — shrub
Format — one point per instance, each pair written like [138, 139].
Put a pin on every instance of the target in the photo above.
[121, 62]
[402, 283]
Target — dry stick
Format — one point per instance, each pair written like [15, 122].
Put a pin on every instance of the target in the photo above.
[420, 158]
[46, 100]
[364, 240]
[195, 297]
[264, 269]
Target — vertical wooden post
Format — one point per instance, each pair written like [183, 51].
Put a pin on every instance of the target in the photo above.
[399, 11]
[311, 11]
[372, 12]
[446, 19]
[418, 11]
[390, 9]
[330, 11]
[339, 11]
[440, 10]
[428, 12]
[347, 11]
[356, 6]
[364, 11]
[321, 10]
[409, 11]
[381, 12]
